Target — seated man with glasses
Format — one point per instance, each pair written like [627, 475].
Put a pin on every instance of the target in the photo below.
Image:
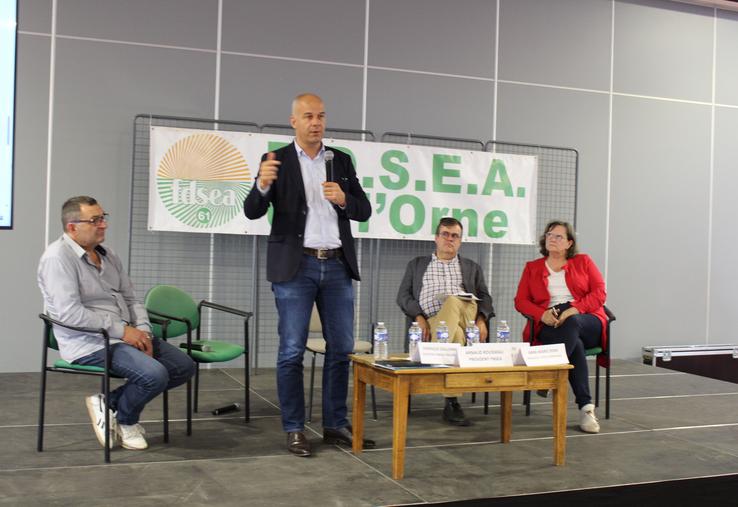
[430, 293]
[84, 285]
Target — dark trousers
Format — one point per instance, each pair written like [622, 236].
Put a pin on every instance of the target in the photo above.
[327, 284]
[577, 333]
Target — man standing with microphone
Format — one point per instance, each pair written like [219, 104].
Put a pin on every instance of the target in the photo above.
[311, 259]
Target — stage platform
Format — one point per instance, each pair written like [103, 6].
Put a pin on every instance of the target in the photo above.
[665, 425]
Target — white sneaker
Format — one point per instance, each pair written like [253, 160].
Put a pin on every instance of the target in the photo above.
[132, 437]
[96, 408]
[588, 421]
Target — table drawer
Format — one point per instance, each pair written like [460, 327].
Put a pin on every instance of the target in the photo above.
[488, 379]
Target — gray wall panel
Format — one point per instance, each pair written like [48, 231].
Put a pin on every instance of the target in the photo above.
[724, 242]
[555, 117]
[658, 235]
[433, 35]
[261, 90]
[189, 23]
[20, 248]
[726, 56]
[653, 54]
[660, 156]
[331, 30]
[100, 87]
[407, 102]
[564, 43]
[34, 16]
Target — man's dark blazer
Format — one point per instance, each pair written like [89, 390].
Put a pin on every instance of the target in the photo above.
[408, 296]
[287, 196]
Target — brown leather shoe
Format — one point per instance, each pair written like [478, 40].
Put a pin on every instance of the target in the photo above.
[298, 444]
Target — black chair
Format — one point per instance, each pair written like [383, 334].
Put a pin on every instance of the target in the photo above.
[595, 351]
[408, 322]
[62, 366]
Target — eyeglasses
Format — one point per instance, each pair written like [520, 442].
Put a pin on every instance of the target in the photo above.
[555, 237]
[94, 220]
[451, 235]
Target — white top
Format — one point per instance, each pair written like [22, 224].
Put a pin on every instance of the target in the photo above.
[321, 227]
[557, 287]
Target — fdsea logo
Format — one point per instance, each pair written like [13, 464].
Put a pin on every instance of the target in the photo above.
[202, 180]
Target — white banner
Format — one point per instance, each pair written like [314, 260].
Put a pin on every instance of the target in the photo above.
[198, 180]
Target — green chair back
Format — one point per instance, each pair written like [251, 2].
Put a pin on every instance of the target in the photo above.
[170, 300]
[51, 339]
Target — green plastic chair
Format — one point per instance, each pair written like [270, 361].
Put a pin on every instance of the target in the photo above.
[48, 341]
[594, 351]
[185, 316]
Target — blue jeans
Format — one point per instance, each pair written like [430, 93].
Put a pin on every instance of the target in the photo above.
[327, 284]
[147, 376]
[578, 332]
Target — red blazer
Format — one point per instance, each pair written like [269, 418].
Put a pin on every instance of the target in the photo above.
[583, 280]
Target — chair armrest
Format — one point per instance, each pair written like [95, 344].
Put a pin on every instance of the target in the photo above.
[226, 309]
[155, 314]
[93, 330]
[610, 316]
[532, 324]
[164, 323]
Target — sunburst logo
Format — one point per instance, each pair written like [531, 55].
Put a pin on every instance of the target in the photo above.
[202, 180]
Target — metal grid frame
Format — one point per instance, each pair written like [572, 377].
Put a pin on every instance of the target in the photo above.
[229, 268]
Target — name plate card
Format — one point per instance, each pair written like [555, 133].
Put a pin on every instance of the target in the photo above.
[545, 355]
[439, 353]
[517, 352]
[486, 354]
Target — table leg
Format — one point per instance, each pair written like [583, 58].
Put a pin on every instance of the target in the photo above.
[559, 418]
[400, 397]
[358, 410]
[505, 416]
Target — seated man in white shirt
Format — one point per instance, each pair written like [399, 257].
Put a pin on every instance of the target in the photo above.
[84, 285]
[445, 273]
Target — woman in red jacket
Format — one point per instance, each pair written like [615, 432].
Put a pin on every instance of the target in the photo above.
[564, 293]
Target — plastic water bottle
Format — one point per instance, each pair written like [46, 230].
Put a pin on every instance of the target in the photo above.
[381, 342]
[503, 332]
[414, 336]
[442, 332]
[472, 333]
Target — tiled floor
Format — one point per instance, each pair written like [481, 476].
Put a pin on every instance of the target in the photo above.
[664, 425]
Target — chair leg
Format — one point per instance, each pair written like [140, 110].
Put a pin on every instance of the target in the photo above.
[486, 403]
[189, 406]
[197, 383]
[607, 390]
[597, 384]
[41, 408]
[106, 393]
[474, 398]
[165, 410]
[247, 389]
[526, 402]
[374, 404]
[312, 388]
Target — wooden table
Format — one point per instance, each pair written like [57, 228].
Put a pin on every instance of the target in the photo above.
[455, 381]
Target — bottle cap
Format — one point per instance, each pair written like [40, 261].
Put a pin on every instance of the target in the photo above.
[380, 323]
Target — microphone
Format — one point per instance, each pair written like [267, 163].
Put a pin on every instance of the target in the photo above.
[228, 408]
[328, 156]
